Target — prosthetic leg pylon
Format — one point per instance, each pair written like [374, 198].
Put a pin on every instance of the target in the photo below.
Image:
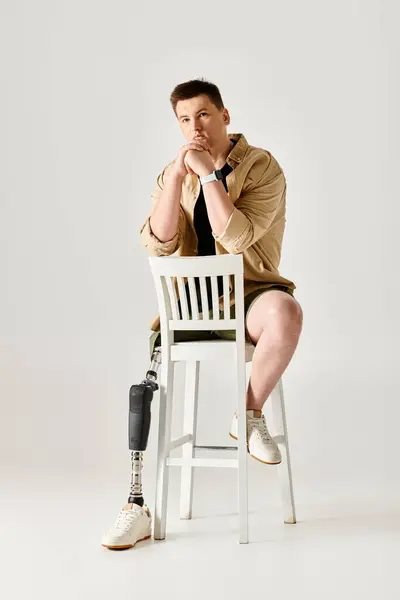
[140, 398]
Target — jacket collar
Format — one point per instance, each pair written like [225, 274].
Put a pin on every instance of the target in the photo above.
[238, 151]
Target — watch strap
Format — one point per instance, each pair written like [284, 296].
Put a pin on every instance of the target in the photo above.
[214, 176]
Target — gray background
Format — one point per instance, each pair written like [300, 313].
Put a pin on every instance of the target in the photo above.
[86, 127]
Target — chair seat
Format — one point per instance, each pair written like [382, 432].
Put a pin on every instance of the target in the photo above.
[207, 350]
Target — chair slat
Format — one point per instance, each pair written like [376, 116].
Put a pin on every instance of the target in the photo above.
[193, 299]
[172, 297]
[226, 297]
[183, 299]
[214, 290]
[204, 298]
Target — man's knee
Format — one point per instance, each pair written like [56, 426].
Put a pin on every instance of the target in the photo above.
[276, 311]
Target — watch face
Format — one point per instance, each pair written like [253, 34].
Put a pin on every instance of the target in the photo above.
[218, 174]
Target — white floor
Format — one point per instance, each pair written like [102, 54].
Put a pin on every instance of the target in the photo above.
[344, 545]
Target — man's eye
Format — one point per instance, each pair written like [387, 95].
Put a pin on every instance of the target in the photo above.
[203, 113]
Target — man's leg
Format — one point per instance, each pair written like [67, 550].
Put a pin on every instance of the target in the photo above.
[133, 523]
[274, 323]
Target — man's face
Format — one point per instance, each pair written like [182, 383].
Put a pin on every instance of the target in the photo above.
[200, 117]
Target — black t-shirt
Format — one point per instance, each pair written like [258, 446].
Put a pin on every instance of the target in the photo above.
[201, 221]
[206, 241]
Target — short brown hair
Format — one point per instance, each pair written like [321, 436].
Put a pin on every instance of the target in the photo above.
[195, 87]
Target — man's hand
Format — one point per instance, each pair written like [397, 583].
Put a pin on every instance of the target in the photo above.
[199, 163]
[198, 146]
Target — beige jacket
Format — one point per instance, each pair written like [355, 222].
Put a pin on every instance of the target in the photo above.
[257, 188]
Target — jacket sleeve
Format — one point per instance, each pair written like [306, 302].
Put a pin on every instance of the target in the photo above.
[150, 241]
[254, 211]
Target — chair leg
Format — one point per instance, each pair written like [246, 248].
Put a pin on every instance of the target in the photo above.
[164, 440]
[284, 469]
[189, 426]
[242, 450]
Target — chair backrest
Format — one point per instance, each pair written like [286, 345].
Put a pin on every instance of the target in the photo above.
[177, 281]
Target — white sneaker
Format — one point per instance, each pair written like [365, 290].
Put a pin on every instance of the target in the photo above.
[132, 525]
[260, 444]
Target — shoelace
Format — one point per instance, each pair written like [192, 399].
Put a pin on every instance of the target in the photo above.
[125, 519]
[261, 428]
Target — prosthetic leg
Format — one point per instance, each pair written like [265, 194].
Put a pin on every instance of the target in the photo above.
[140, 397]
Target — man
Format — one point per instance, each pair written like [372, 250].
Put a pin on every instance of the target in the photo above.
[221, 195]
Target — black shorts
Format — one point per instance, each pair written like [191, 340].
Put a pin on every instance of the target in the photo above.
[225, 334]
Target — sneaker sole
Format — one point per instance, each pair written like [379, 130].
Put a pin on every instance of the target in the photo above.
[255, 457]
[125, 547]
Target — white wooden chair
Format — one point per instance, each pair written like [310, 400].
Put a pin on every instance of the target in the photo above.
[165, 271]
